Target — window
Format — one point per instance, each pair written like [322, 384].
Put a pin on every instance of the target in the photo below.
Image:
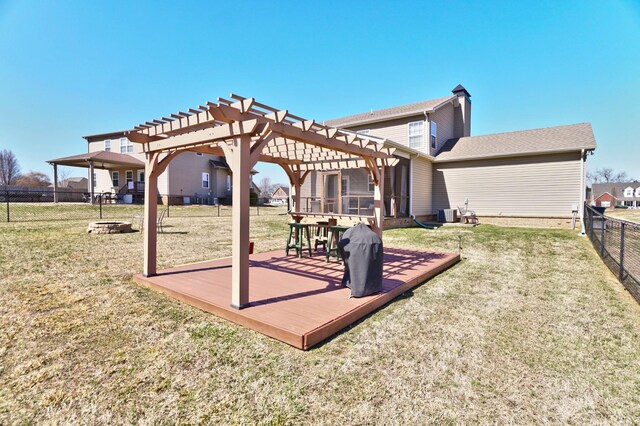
[115, 178]
[638, 192]
[128, 176]
[107, 145]
[628, 203]
[605, 203]
[371, 184]
[628, 192]
[126, 146]
[205, 180]
[434, 135]
[228, 183]
[363, 132]
[344, 187]
[416, 134]
[94, 179]
[199, 154]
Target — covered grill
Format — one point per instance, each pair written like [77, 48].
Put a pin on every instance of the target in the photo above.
[362, 253]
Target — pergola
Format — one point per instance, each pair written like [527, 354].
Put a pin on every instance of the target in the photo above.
[245, 132]
[92, 160]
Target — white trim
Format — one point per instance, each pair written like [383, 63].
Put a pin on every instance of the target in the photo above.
[115, 173]
[421, 134]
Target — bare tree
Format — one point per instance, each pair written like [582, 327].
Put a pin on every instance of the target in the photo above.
[63, 175]
[33, 179]
[9, 168]
[266, 187]
[607, 175]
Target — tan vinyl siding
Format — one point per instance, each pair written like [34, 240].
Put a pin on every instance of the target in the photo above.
[444, 117]
[421, 186]
[534, 186]
[395, 130]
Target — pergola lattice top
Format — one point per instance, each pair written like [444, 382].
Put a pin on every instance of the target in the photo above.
[276, 136]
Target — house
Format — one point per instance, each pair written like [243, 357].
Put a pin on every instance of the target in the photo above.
[114, 168]
[605, 200]
[76, 183]
[612, 194]
[280, 195]
[537, 173]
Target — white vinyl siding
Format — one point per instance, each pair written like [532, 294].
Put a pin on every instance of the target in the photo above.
[534, 186]
[416, 134]
[628, 192]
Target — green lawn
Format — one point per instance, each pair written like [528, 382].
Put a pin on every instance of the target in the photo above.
[529, 328]
[632, 215]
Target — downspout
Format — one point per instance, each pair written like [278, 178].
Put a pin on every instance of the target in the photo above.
[583, 189]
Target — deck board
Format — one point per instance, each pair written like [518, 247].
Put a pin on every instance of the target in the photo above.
[298, 301]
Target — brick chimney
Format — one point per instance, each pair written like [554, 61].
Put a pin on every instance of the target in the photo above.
[462, 112]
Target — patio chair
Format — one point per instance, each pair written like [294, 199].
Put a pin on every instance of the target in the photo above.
[139, 217]
[467, 216]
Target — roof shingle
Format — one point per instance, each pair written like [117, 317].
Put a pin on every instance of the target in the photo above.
[389, 113]
[524, 142]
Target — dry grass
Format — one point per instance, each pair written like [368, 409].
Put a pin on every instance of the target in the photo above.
[632, 215]
[530, 327]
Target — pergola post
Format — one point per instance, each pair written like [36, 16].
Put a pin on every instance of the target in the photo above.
[92, 184]
[378, 202]
[55, 183]
[150, 216]
[240, 162]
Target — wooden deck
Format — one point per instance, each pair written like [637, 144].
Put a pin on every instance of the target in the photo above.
[297, 301]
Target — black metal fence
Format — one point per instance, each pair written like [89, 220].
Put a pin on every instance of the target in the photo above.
[618, 244]
[27, 206]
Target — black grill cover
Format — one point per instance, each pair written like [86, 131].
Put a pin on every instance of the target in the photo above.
[362, 253]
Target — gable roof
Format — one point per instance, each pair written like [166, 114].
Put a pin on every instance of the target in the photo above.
[615, 189]
[390, 113]
[573, 137]
[284, 188]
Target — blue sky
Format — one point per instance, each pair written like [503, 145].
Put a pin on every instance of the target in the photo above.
[72, 68]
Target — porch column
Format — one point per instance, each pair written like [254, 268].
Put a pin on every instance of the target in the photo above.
[150, 216]
[91, 182]
[378, 202]
[240, 167]
[55, 183]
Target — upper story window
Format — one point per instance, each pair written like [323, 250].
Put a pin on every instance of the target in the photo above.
[416, 134]
[205, 180]
[107, 145]
[638, 191]
[126, 146]
[434, 135]
[628, 192]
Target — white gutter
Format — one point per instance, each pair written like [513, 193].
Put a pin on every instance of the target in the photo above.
[583, 189]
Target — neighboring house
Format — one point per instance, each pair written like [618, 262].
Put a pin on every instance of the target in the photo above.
[75, 183]
[605, 200]
[529, 173]
[280, 195]
[117, 169]
[620, 194]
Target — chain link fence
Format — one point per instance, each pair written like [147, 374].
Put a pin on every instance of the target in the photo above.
[44, 205]
[618, 244]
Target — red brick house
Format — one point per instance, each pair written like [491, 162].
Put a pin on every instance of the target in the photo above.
[605, 200]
